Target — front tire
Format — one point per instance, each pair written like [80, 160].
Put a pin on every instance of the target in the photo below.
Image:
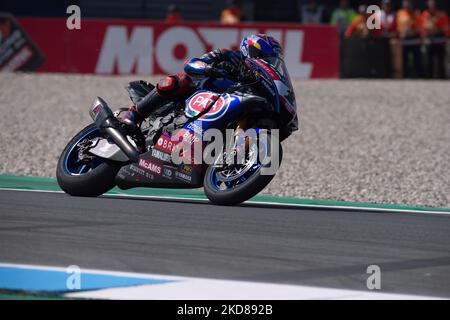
[96, 178]
[254, 184]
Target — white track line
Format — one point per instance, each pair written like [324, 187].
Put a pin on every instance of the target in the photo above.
[317, 206]
[190, 288]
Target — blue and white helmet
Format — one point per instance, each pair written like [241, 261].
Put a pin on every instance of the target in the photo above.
[260, 46]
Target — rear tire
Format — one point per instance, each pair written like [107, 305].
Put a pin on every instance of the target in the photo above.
[92, 183]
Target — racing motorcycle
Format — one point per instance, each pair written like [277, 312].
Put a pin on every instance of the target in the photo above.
[260, 97]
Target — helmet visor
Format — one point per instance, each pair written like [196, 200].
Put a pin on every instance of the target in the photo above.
[256, 53]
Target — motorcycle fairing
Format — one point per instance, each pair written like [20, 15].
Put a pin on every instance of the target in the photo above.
[275, 74]
[211, 107]
[155, 167]
[137, 90]
[202, 101]
[204, 109]
[151, 171]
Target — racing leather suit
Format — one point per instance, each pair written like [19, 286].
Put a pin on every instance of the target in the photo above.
[183, 84]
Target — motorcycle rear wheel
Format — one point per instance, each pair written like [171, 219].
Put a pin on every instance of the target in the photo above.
[85, 179]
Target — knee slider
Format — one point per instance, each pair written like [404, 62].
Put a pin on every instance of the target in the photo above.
[167, 86]
[175, 85]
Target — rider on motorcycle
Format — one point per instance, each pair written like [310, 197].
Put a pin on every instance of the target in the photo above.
[183, 84]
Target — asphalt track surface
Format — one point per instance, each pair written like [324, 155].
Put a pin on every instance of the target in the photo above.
[377, 141]
[325, 248]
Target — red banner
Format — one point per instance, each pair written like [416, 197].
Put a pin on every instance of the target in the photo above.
[147, 48]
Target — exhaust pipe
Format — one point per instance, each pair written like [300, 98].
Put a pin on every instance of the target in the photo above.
[104, 120]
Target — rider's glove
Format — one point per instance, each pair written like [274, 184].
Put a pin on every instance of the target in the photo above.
[249, 76]
[223, 69]
[210, 71]
[229, 68]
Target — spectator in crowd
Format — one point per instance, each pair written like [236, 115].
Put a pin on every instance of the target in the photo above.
[358, 28]
[387, 18]
[408, 27]
[312, 13]
[232, 14]
[435, 29]
[389, 30]
[342, 16]
[173, 15]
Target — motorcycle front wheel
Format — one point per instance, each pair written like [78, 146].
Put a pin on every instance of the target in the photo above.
[231, 185]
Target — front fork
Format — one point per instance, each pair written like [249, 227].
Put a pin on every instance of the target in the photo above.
[264, 128]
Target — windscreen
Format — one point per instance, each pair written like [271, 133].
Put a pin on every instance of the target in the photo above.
[284, 85]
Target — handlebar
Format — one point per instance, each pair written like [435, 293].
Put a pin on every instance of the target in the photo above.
[225, 70]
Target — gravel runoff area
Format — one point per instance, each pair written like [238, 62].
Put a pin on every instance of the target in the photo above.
[360, 140]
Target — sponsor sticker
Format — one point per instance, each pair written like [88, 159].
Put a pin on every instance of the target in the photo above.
[269, 71]
[186, 169]
[165, 144]
[96, 110]
[158, 154]
[187, 136]
[168, 173]
[203, 100]
[183, 176]
[17, 51]
[140, 172]
[150, 166]
[194, 127]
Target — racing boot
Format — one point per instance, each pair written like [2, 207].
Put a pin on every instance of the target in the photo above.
[132, 117]
[136, 114]
[167, 88]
